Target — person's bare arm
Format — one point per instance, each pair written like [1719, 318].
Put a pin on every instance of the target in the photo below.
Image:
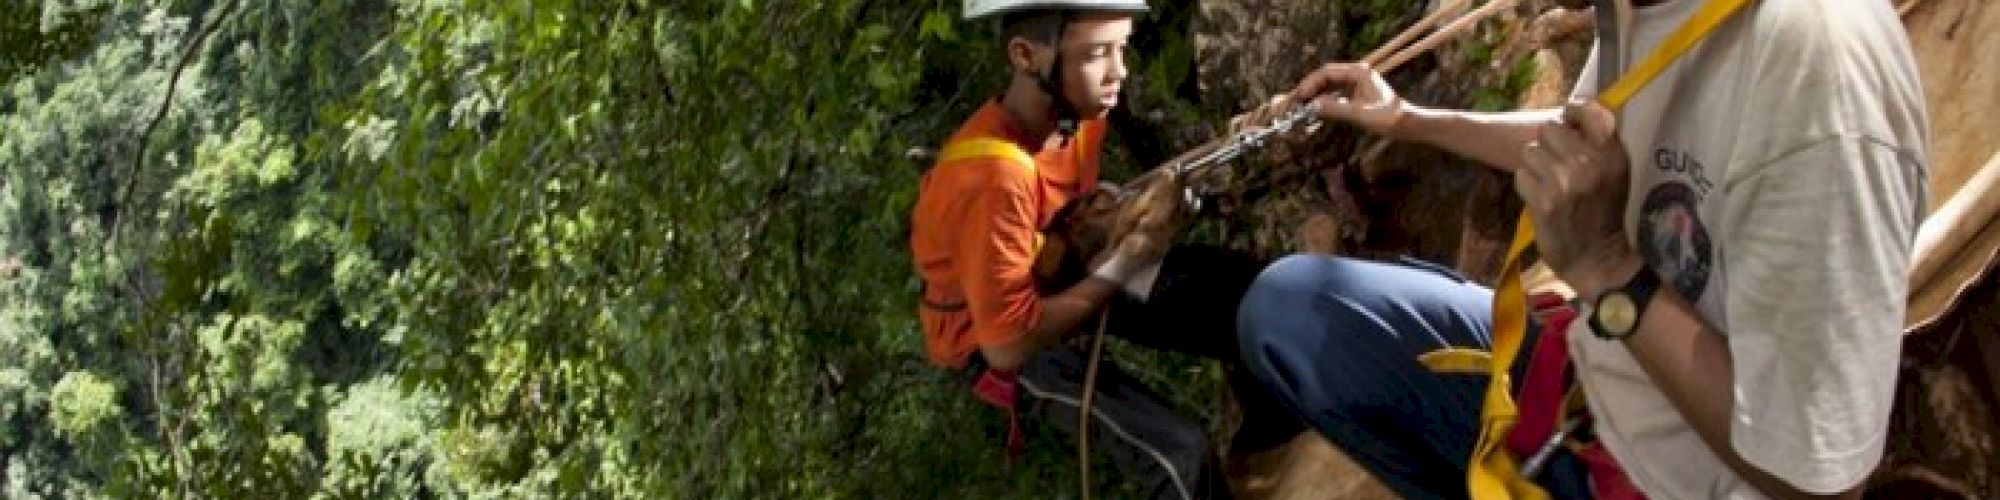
[1147, 224]
[1688, 360]
[1356, 94]
[1574, 177]
[1492, 139]
[1062, 314]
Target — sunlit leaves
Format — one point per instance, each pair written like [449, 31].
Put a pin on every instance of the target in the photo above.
[80, 402]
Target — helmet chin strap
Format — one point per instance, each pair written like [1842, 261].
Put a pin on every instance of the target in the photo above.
[1051, 82]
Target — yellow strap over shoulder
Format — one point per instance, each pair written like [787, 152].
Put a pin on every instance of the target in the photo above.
[987, 147]
[991, 147]
[995, 147]
[1494, 473]
[1005, 150]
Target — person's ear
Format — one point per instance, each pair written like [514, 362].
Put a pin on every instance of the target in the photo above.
[1021, 55]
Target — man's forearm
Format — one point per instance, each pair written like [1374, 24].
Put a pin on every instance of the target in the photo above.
[1494, 139]
[1062, 314]
[1065, 312]
[1689, 361]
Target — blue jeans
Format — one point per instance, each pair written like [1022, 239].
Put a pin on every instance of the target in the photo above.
[1336, 340]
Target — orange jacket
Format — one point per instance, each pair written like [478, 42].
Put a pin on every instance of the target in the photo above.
[977, 226]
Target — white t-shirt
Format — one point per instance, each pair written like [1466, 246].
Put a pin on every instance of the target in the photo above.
[1778, 176]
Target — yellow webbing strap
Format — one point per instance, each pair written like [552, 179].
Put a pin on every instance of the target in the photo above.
[991, 147]
[1457, 360]
[986, 147]
[1494, 473]
[1004, 150]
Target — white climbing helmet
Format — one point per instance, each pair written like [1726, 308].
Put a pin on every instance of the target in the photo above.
[980, 9]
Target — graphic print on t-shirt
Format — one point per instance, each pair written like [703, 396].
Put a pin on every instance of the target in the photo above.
[1673, 239]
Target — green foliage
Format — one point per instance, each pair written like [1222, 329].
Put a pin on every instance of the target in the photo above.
[1501, 96]
[81, 401]
[391, 249]
[205, 321]
[654, 276]
[381, 443]
[31, 36]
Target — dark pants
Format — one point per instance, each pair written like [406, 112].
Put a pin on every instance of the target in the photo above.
[1336, 340]
[1192, 311]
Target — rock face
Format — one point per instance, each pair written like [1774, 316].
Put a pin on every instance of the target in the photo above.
[1307, 468]
[1957, 43]
[1944, 419]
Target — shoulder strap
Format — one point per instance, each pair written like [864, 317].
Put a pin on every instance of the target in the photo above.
[975, 148]
[996, 148]
[1696, 28]
[987, 147]
[1494, 474]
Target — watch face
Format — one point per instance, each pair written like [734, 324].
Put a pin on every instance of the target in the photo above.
[1617, 314]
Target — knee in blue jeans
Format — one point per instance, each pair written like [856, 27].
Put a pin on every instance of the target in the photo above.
[1299, 279]
[1279, 290]
[1294, 280]
[1310, 292]
[1285, 295]
[1434, 267]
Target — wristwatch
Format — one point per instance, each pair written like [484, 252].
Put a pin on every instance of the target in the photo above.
[1615, 314]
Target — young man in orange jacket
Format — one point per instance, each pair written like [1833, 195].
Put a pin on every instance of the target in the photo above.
[976, 232]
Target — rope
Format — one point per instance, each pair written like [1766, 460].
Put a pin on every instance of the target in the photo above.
[1904, 8]
[1392, 54]
[1083, 409]
[1389, 48]
[1449, 31]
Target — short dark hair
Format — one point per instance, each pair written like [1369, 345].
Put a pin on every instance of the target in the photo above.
[1035, 25]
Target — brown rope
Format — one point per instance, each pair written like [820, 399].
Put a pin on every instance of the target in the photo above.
[1904, 8]
[1392, 54]
[1388, 49]
[1083, 409]
[1449, 31]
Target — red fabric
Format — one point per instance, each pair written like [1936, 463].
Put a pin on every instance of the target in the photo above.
[1002, 389]
[1541, 401]
[1607, 479]
[1542, 392]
